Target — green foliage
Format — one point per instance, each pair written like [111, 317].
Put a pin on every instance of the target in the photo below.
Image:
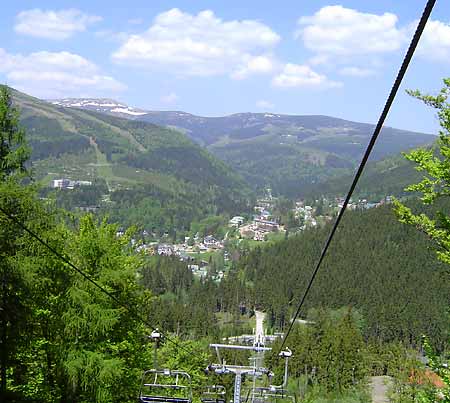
[183, 358]
[166, 275]
[102, 352]
[17, 201]
[435, 223]
[435, 184]
[330, 350]
[319, 394]
[211, 225]
[15, 290]
[178, 208]
[82, 346]
[189, 310]
[13, 150]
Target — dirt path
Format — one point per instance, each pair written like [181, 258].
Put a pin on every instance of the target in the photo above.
[380, 386]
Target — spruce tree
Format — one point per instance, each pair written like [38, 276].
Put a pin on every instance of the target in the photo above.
[14, 152]
[14, 200]
[434, 189]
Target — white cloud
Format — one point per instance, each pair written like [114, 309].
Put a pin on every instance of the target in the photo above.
[51, 24]
[56, 74]
[254, 65]
[170, 98]
[202, 45]
[340, 31]
[263, 104]
[435, 42]
[354, 71]
[297, 75]
[338, 35]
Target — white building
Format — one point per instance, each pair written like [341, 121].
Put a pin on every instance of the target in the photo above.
[165, 250]
[68, 183]
[61, 183]
[236, 221]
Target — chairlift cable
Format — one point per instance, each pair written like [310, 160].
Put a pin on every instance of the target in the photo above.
[404, 66]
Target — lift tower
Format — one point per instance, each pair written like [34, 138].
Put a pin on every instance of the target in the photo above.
[254, 371]
[237, 370]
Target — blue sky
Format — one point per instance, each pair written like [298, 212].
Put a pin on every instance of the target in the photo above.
[220, 57]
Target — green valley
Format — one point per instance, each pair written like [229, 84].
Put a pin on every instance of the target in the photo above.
[156, 172]
[290, 154]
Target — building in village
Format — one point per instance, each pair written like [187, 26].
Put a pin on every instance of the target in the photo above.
[68, 183]
[211, 242]
[266, 225]
[236, 221]
[165, 250]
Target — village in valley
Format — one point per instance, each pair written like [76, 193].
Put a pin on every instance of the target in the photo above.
[212, 252]
[212, 255]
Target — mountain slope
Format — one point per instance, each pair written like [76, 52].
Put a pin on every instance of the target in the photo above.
[389, 176]
[288, 153]
[382, 268]
[291, 153]
[140, 158]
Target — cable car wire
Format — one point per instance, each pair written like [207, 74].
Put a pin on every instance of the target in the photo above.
[130, 310]
[404, 66]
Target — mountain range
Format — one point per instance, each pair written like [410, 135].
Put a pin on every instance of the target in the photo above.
[288, 153]
[156, 173]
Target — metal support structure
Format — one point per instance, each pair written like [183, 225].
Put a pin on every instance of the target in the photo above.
[238, 370]
[255, 348]
[237, 387]
[156, 338]
[286, 353]
[256, 370]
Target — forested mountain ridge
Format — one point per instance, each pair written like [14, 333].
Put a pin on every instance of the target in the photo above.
[152, 167]
[389, 176]
[378, 266]
[286, 152]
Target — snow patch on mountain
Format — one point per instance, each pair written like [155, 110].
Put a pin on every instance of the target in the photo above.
[127, 110]
[100, 105]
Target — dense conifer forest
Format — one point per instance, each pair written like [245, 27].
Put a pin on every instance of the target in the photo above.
[376, 265]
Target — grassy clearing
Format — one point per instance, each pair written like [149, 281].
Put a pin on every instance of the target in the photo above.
[203, 255]
[71, 166]
[104, 169]
[131, 174]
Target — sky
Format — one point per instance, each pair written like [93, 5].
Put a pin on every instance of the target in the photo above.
[214, 58]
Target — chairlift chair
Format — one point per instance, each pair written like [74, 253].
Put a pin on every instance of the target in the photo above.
[272, 395]
[213, 394]
[165, 386]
